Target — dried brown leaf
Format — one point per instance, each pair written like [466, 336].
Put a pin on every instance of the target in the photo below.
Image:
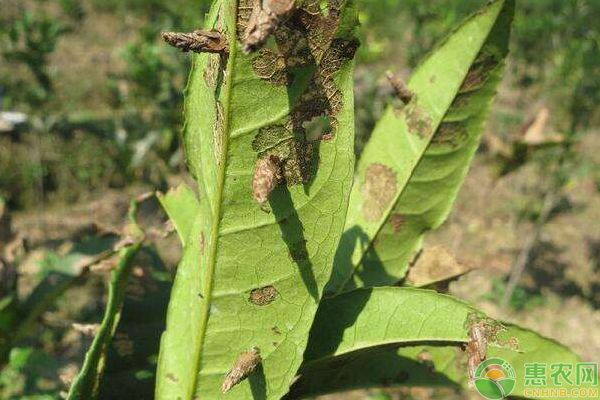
[198, 41]
[433, 265]
[244, 366]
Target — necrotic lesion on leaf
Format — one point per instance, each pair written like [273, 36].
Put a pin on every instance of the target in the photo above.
[417, 119]
[263, 296]
[271, 66]
[450, 133]
[304, 42]
[218, 131]
[479, 72]
[379, 189]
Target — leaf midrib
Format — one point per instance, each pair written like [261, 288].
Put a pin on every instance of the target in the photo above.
[216, 223]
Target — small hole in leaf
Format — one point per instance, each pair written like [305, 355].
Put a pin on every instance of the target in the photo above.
[318, 128]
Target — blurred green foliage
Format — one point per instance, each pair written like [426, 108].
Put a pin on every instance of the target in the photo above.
[410, 27]
[557, 44]
[28, 376]
[521, 299]
[131, 135]
[30, 39]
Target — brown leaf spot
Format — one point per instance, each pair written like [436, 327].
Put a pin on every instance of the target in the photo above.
[478, 335]
[294, 154]
[473, 360]
[479, 72]
[263, 296]
[304, 40]
[214, 70]
[218, 132]
[245, 365]
[271, 66]
[245, 8]
[418, 120]
[450, 133]
[482, 332]
[379, 190]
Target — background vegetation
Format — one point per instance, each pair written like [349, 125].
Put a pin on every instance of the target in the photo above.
[103, 97]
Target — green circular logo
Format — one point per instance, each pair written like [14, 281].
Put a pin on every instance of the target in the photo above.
[495, 379]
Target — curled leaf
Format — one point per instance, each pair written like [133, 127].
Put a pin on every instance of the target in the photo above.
[198, 41]
[244, 366]
[266, 177]
[401, 89]
[266, 16]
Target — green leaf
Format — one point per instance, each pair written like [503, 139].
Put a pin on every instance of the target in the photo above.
[404, 336]
[181, 205]
[414, 164]
[9, 319]
[86, 385]
[26, 375]
[250, 278]
[364, 318]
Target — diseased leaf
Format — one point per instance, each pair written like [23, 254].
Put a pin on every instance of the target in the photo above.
[86, 385]
[402, 336]
[375, 367]
[249, 278]
[414, 164]
[181, 205]
[434, 265]
[365, 318]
